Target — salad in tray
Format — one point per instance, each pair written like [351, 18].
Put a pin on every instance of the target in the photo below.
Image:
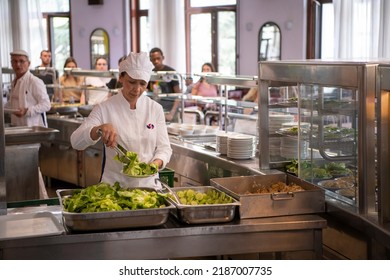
[104, 197]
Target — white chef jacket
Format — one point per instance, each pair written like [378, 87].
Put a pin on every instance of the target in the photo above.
[142, 131]
[96, 96]
[29, 92]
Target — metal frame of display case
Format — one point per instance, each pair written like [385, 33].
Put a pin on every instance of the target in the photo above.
[383, 94]
[356, 75]
[224, 82]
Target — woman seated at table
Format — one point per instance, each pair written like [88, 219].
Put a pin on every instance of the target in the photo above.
[69, 84]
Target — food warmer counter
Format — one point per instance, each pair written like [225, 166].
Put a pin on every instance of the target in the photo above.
[301, 235]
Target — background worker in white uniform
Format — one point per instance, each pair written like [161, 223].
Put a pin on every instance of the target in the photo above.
[29, 99]
[131, 119]
[28, 95]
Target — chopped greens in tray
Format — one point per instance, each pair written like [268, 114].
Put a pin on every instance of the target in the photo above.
[192, 197]
[103, 197]
[133, 167]
[329, 170]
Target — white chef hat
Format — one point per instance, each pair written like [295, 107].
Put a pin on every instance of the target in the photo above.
[20, 52]
[137, 66]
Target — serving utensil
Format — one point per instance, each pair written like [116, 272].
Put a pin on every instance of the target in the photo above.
[168, 189]
[118, 148]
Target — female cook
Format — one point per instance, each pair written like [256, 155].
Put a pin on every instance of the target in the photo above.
[131, 119]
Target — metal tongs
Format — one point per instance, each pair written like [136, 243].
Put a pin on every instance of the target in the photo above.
[118, 148]
[168, 188]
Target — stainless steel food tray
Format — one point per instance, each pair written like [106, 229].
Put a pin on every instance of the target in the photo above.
[201, 214]
[258, 205]
[112, 220]
[26, 225]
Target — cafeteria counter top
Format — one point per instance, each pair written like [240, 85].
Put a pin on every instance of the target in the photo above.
[171, 240]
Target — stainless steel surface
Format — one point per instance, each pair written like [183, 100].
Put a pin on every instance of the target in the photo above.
[383, 94]
[93, 73]
[256, 205]
[175, 240]
[59, 160]
[198, 164]
[29, 225]
[112, 220]
[201, 214]
[26, 135]
[21, 167]
[85, 110]
[3, 191]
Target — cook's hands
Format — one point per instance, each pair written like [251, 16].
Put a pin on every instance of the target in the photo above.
[158, 162]
[21, 113]
[107, 133]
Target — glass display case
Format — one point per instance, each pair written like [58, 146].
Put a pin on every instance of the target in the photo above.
[383, 93]
[317, 120]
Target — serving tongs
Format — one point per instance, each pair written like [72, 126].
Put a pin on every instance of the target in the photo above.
[168, 188]
[122, 152]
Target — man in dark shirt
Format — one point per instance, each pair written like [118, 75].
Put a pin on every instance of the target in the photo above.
[47, 76]
[157, 58]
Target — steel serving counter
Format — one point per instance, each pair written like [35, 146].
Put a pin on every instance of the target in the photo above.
[173, 240]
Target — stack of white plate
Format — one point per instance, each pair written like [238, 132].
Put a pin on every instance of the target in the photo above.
[276, 121]
[222, 141]
[241, 146]
[289, 148]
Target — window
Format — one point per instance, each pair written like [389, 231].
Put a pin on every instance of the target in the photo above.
[327, 31]
[210, 33]
[319, 29]
[56, 24]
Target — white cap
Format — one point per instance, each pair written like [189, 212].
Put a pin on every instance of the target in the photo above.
[137, 66]
[20, 52]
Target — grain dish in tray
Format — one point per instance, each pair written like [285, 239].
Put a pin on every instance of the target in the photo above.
[112, 219]
[280, 196]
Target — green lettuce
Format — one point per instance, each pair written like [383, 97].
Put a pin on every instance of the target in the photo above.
[133, 167]
[103, 197]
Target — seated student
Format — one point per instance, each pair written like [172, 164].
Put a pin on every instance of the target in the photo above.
[156, 56]
[251, 96]
[49, 77]
[69, 82]
[114, 83]
[202, 87]
[97, 96]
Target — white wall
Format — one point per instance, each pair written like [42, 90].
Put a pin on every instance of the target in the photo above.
[86, 18]
[254, 13]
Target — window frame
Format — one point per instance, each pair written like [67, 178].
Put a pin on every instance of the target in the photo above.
[136, 13]
[314, 27]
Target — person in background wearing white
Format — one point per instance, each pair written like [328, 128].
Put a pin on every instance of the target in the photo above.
[28, 94]
[131, 119]
[30, 100]
[97, 96]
